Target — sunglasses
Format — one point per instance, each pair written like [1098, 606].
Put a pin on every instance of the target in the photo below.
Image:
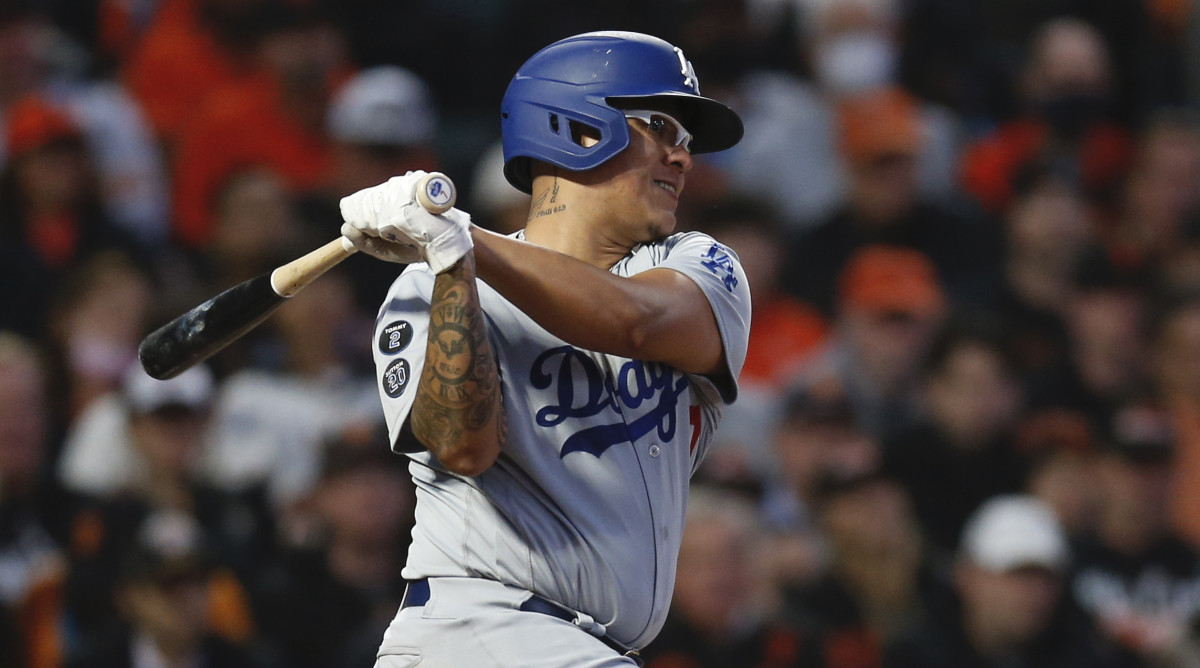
[663, 126]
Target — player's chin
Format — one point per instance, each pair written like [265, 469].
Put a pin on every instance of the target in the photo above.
[662, 226]
[660, 214]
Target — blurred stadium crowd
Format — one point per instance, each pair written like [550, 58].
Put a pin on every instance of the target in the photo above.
[969, 426]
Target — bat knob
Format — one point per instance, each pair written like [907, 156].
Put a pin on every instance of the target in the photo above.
[436, 192]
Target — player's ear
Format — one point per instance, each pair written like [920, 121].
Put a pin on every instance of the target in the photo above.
[584, 135]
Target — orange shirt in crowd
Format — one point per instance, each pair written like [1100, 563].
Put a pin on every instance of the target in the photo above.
[242, 125]
[990, 164]
[174, 66]
[783, 332]
[120, 27]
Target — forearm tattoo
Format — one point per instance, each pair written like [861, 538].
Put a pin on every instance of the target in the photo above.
[459, 390]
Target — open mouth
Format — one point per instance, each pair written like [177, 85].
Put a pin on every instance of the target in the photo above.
[669, 187]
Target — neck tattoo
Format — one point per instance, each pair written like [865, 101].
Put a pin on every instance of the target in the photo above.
[539, 208]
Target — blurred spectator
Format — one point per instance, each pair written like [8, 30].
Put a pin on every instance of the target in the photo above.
[1066, 93]
[25, 420]
[20, 66]
[1047, 230]
[275, 119]
[879, 137]
[48, 174]
[790, 155]
[1009, 577]
[255, 227]
[163, 601]
[327, 601]
[1177, 275]
[50, 209]
[1161, 196]
[890, 306]
[98, 314]
[1176, 360]
[134, 454]
[717, 618]
[1137, 578]
[1061, 452]
[818, 437]
[878, 583]
[303, 388]
[142, 436]
[961, 451]
[1107, 323]
[32, 565]
[41, 60]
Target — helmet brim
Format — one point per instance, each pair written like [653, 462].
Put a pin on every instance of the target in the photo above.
[714, 126]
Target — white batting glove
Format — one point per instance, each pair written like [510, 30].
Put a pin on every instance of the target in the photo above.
[388, 251]
[389, 223]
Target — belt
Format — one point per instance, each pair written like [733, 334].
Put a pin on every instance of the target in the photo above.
[416, 594]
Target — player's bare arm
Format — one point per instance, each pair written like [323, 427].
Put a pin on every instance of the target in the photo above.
[457, 412]
[659, 315]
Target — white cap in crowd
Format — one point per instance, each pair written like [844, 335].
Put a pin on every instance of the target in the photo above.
[193, 389]
[386, 105]
[1015, 531]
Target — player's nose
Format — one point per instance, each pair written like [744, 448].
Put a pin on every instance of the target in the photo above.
[680, 157]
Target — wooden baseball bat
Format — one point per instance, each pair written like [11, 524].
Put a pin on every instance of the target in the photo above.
[204, 330]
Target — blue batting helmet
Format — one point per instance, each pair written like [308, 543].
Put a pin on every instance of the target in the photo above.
[577, 79]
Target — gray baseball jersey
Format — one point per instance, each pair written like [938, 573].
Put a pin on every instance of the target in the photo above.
[585, 504]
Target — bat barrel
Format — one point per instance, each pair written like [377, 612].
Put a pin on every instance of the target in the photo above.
[173, 348]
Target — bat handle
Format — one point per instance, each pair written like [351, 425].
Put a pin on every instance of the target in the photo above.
[290, 278]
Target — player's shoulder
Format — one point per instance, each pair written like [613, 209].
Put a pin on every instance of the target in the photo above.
[696, 244]
[689, 252]
[415, 276]
[691, 237]
[679, 242]
[411, 291]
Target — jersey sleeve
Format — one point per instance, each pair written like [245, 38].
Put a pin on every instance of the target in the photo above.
[401, 329]
[718, 272]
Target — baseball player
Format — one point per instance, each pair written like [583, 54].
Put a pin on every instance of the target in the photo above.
[556, 388]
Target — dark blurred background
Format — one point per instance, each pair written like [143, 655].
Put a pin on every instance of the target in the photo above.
[968, 433]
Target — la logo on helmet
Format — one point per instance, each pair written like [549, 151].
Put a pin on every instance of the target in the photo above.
[689, 74]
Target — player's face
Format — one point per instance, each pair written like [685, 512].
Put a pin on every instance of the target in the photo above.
[642, 184]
